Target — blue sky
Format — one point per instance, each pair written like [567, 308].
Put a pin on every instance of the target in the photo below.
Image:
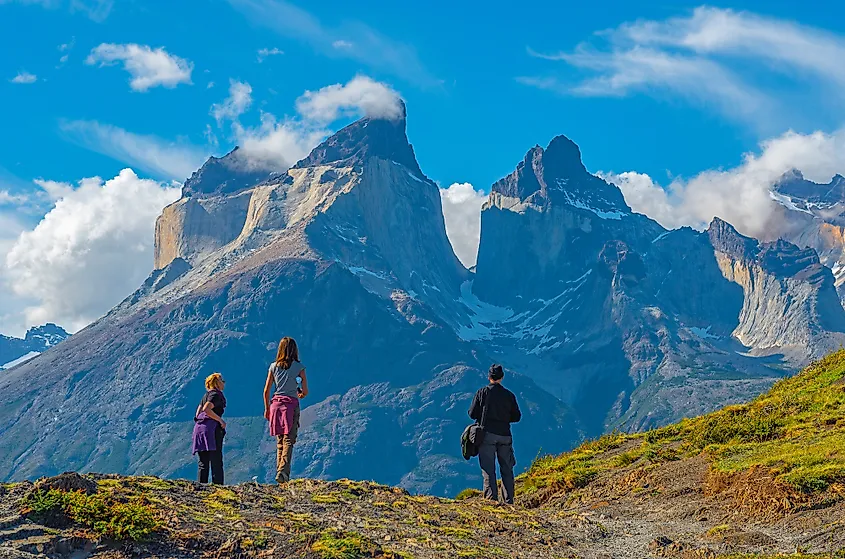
[470, 120]
[668, 93]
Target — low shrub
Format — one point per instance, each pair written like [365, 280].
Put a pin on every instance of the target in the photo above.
[132, 520]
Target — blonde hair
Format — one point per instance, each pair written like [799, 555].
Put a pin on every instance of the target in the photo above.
[288, 353]
[214, 381]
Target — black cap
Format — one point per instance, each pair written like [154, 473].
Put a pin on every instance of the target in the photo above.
[496, 372]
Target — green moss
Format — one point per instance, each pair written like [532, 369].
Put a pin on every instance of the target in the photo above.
[467, 494]
[133, 520]
[343, 545]
[325, 499]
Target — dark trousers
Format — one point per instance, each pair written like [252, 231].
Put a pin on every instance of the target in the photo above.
[212, 459]
[492, 448]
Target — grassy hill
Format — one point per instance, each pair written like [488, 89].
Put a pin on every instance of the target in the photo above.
[794, 436]
[761, 480]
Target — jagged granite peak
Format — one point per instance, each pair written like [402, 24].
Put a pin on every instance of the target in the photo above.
[557, 175]
[224, 175]
[725, 238]
[808, 194]
[790, 304]
[36, 340]
[780, 258]
[46, 336]
[381, 137]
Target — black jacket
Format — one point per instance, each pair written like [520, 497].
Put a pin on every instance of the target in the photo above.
[501, 412]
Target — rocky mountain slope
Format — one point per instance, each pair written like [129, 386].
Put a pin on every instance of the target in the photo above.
[813, 216]
[38, 339]
[604, 320]
[760, 480]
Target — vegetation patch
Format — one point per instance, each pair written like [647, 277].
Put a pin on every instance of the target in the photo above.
[343, 545]
[796, 431]
[133, 520]
[467, 494]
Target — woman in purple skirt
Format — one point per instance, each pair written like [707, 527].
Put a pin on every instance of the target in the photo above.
[209, 430]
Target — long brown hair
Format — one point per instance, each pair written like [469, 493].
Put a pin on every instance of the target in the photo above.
[288, 353]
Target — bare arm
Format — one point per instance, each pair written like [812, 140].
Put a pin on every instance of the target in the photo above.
[268, 389]
[304, 392]
[208, 408]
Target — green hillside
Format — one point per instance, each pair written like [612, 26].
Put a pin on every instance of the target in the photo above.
[794, 433]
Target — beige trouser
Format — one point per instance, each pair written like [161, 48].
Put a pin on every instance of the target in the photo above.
[284, 450]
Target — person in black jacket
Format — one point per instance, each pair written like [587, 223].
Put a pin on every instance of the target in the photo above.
[494, 408]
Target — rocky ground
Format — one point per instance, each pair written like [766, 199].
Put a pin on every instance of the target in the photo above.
[663, 513]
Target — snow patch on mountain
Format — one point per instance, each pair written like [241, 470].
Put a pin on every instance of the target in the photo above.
[20, 360]
[484, 317]
[578, 203]
[787, 202]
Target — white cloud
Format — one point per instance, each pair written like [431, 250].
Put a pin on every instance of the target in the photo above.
[739, 195]
[265, 53]
[276, 145]
[162, 158]
[24, 77]
[462, 213]
[96, 10]
[362, 43]
[210, 85]
[747, 66]
[361, 95]
[9, 199]
[66, 48]
[91, 250]
[238, 102]
[148, 67]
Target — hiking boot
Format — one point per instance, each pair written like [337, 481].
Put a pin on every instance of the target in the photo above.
[282, 478]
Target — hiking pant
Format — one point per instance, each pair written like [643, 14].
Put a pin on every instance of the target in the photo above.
[284, 450]
[493, 447]
[212, 459]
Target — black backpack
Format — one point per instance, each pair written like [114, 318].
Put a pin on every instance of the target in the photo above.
[473, 435]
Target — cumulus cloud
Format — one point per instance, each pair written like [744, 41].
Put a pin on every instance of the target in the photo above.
[263, 54]
[93, 248]
[238, 102]
[745, 65]
[24, 78]
[162, 158]
[740, 195]
[148, 67]
[462, 213]
[359, 95]
[275, 145]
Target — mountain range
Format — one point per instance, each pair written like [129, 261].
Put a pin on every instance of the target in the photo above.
[604, 319]
[16, 350]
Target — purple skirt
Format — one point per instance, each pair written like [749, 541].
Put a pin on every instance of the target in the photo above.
[204, 430]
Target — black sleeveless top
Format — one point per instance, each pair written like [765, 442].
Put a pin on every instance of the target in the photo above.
[218, 401]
